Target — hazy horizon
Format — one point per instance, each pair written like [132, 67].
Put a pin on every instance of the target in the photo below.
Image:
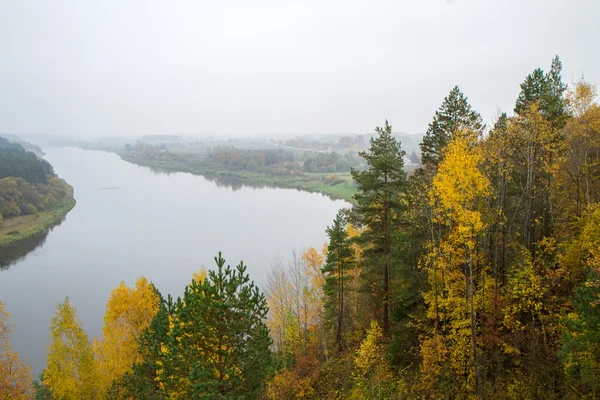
[100, 69]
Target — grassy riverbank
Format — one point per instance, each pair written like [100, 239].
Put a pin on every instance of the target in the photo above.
[334, 185]
[23, 227]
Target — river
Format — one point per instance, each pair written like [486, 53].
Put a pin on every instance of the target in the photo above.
[131, 221]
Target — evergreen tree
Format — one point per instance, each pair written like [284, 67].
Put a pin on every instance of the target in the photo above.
[218, 343]
[533, 89]
[580, 351]
[454, 114]
[339, 259]
[546, 89]
[41, 391]
[379, 203]
[414, 158]
[17, 162]
[498, 163]
[557, 105]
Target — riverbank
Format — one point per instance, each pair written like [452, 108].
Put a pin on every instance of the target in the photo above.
[334, 185]
[25, 227]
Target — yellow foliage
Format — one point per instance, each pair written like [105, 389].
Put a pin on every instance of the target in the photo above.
[279, 303]
[434, 353]
[457, 186]
[373, 378]
[129, 312]
[371, 350]
[314, 262]
[577, 185]
[581, 97]
[200, 276]
[457, 196]
[15, 377]
[295, 301]
[287, 385]
[71, 371]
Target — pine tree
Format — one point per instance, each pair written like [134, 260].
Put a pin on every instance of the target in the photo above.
[454, 114]
[580, 340]
[339, 260]
[218, 343]
[548, 91]
[414, 158]
[533, 89]
[379, 203]
[557, 105]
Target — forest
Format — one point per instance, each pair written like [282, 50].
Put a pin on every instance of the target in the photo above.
[265, 161]
[28, 184]
[17, 162]
[475, 277]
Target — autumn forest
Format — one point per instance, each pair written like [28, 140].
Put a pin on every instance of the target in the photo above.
[475, 276]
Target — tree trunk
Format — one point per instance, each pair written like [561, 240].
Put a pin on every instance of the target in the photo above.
[386, 271]
[473, 336]
[340, 305]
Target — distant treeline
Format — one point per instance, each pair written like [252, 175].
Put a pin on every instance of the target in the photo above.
[279, 161]
[269, 161]
[34, 148]
[17, 162]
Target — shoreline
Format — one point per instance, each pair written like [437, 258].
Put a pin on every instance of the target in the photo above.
[341, 191]
[45, 221]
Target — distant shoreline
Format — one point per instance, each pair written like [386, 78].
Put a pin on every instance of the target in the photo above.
[309, 182]
[29, 226]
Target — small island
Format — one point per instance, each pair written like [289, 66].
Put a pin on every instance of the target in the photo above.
[32, 197]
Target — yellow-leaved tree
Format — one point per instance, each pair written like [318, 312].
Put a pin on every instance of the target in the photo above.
[577, 183]
[373, 378]
[200, 275]
[313, 260]
[128, 312]
[456, 273]
[295, 301]
[71, 371]
[294, 297]
[15, 377]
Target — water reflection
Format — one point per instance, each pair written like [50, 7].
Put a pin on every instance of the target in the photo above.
[236, 183]
[231, 182]
[16, 252]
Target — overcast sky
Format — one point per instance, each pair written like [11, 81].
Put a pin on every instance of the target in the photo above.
[275, 66]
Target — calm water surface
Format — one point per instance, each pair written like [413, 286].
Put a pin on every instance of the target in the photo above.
[131, 221]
